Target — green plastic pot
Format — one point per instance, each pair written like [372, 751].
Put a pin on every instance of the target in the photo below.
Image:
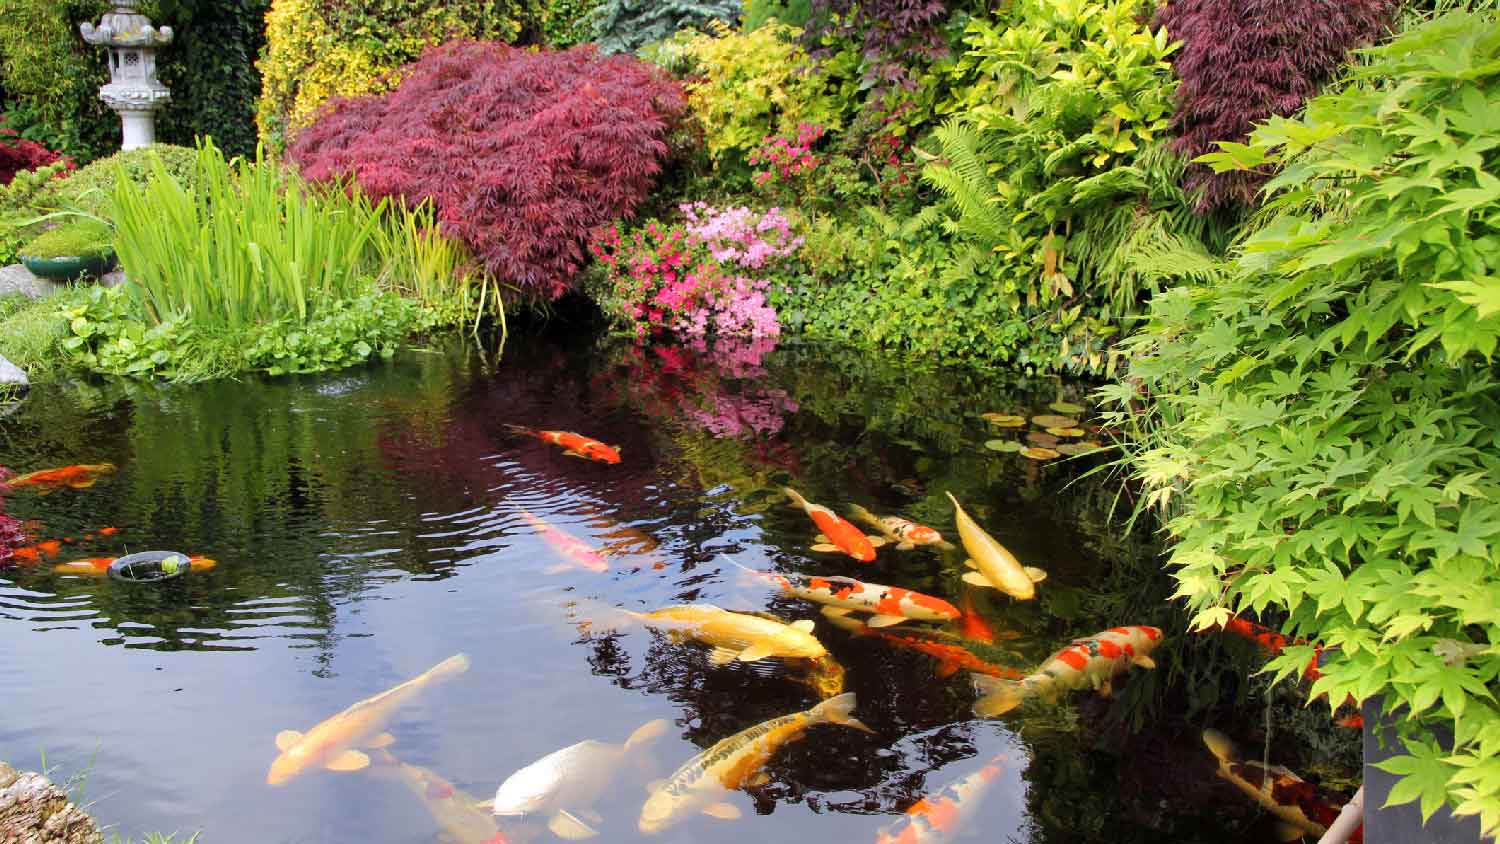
[70, 269]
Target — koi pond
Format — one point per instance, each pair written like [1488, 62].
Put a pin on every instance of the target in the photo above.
[365, 528]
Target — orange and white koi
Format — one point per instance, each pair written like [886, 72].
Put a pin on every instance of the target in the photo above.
[837, 533]
[330, 744]
[905, 533]
[994, 566]
[841, 595]
[81, 476]
[1303, 807]
[938, 817]
[735, 762]
[99, 566]
[574, 445]
[1093, 661]
[579, 554]
[461, 817]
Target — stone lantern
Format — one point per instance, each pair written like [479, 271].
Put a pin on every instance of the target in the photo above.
[133, 90]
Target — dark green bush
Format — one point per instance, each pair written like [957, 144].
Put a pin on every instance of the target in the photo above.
[625, 26]
[89, 188]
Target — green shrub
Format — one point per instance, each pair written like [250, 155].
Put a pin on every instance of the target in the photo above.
[1325, 432]
[790, 12]
[210, 68]
[625, 26]
[31, 329]
[74, 238]
[18, 210]
[91, 189]
[52, 77]
[247, 244]
[568, 22]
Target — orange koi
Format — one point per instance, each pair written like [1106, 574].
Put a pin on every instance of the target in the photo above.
[578, 552]
[108, 531]
[938, 817]
[952, 656]
[26, 556]
[842, 595]
[81, 476]
[574, 445]
[971, 625]
[1085, 662]
[51, 547]
[99, 566]
[905, 533]
[838, 534]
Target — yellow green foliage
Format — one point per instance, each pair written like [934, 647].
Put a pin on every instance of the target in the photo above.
[319, 49]
[753, 84]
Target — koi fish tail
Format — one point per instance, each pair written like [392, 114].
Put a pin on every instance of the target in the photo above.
[592, 616]
[520, 430]
[1221, 745]
[795, 496]
[863, 515]
[997, 696]
[837, 710]
[647, 733]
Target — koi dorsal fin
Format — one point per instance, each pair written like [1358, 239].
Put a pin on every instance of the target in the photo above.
[287, 738]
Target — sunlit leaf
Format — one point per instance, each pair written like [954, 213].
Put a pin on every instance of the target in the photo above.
[1036, 453]
[1004, 446]
[1048, 420]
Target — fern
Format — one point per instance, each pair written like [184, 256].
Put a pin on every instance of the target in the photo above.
[966, 182]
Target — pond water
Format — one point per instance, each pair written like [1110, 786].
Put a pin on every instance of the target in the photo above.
[369, 524]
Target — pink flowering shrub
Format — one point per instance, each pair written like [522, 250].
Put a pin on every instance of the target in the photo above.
[709, 274]
[786, 158]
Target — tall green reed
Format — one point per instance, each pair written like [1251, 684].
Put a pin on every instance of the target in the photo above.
[249, 244]
[420, 263]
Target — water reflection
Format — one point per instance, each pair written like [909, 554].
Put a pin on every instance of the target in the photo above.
[369, 524]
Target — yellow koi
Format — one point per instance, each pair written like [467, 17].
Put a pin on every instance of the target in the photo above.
[733, 763]
[460, 816]
[331, 743]
[995, 567]
[736, 636]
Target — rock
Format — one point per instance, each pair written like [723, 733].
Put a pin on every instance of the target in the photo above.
[12, 376]
[34, 811]
[113, 278]
[17, 279]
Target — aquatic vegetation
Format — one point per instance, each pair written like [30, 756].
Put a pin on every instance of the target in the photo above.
[555, 163]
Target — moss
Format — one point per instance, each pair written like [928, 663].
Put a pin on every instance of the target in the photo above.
[78, 238]
[30, 331]
[90, 188]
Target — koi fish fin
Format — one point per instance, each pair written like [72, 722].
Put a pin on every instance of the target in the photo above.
[1220, 745]
[836, 710]
[591, 816]
[381, 741]
[821, 538]
[969, 563]
[647, 733]
[835, 612]
[1287, 832]
[349, 760]
[885, 620]
[557, 569]
[571, 453]
[974, 578]
[519, 429]
[945, 545]
[945, 669]
[997, 696]
[722, 811]
[905, 546]
[862, 514]
[805, 625]
[757, 779]
[287, 738]
[877, 541]
[825, 548]
[795, 496]
[759, 650]
[1107, 689]
[1036, 574]
[722, 656]
[1144, 661]
[655, 785]
[566, 825]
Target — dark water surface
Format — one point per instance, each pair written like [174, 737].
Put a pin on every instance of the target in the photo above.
[368, 524]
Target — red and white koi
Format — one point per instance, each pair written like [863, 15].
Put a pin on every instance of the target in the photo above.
[838, 534]
[938, 817]
[841, 595]
[1091, 662]
[574, 445]
[579, 553]
[905, 533]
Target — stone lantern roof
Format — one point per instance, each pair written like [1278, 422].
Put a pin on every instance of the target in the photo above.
[125, 27]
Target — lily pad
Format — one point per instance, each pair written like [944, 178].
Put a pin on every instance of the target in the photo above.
[1066, 432]
[1004, 420]
[1067, 407]
[1041, 439]
[1072, 449]
[1048, 420]
[1004, 446]
[1040, 453]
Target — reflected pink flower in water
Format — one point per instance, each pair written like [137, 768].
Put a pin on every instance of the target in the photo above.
[11, 535]
[729, 416]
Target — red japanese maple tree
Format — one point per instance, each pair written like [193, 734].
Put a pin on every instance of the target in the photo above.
[18, 154]
[522, 152]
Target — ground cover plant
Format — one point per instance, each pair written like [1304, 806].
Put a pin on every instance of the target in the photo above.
[1321, 421]
[520, 153]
